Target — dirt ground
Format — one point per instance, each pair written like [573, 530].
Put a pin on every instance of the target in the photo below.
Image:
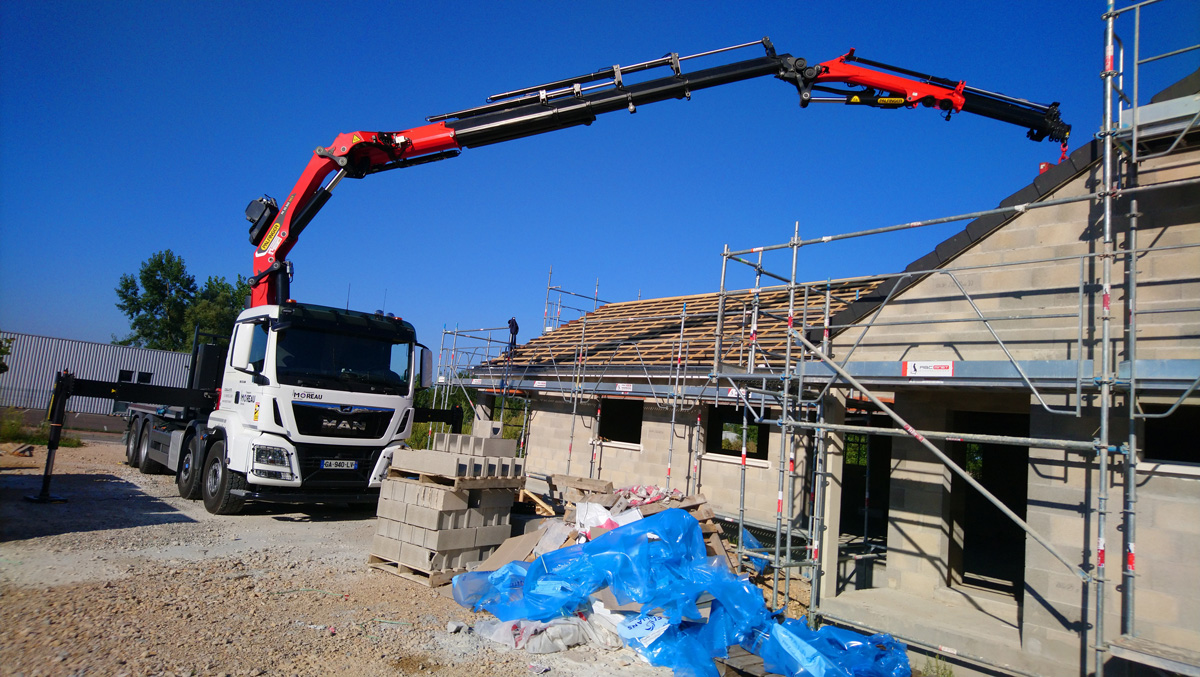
[126, 578]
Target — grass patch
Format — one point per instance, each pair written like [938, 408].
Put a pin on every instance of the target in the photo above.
[13, 429]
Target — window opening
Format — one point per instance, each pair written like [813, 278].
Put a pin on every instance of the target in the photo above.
[621, 421]
[724, 434]
[1172, 439]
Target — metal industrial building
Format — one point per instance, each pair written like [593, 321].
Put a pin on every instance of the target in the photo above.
[34, 360]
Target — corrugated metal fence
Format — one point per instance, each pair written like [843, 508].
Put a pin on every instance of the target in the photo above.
[34, 360]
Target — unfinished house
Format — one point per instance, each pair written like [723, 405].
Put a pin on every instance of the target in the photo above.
[992, 454]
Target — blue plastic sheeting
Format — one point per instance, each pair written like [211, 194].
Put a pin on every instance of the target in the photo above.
[661, 563]
[791, 649]
[748, 540]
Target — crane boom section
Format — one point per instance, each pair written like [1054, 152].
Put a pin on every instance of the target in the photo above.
[578, 101]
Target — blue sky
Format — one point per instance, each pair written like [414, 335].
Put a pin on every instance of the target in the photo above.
[130, 127]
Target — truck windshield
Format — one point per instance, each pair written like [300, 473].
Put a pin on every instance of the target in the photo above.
[314, 358]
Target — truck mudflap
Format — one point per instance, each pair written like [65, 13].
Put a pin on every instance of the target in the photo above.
[282, 495]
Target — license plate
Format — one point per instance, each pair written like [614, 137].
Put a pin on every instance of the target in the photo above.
[339, 465]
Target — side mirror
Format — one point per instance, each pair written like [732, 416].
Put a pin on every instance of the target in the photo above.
[240, 355]
[426, 367]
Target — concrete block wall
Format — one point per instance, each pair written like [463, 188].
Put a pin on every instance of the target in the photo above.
[1167, 591]
[625, 465]
[1166, 280]
[918, 536]
[550, 437]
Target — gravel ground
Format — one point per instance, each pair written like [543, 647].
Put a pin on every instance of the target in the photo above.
[126, 578]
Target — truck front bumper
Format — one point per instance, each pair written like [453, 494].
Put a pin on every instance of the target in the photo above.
[284, 495]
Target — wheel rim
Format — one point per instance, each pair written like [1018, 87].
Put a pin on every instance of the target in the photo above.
[143, 446]
[185, 465]
[212, 481]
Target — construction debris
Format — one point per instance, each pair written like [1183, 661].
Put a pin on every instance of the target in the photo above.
[16, 449]
[651, 585]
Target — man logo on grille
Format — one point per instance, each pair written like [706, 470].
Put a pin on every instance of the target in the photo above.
[351, 426]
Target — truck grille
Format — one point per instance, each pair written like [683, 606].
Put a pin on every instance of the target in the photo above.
[312, 474]
[341, 420]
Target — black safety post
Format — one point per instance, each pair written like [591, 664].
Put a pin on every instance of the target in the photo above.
[64, 383]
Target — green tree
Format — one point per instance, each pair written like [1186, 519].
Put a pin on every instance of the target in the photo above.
[164, 306]
[156, 301]
[217, 304]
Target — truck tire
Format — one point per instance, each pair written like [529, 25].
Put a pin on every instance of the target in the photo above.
[131, 442]
[190, 473]
[219, 483]
[144, 463]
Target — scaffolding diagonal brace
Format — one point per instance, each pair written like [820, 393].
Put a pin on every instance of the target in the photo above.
[954, 467]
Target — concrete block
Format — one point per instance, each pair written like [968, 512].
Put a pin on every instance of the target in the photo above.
[381, 526]
[419, 557]
[450, 539]
[393, 510]
[462, 557]
[384, 547]
[415, 535]
[436, 497]
[493, 498]
[426, 518]
[1178, 516]
[1156, 607]
[492, 535]
[425, 461]
[495, 516]
[475, 518]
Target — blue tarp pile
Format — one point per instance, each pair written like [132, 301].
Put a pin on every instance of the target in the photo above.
[661, 563]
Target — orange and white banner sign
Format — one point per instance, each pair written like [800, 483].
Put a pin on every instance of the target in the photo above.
[929, 369]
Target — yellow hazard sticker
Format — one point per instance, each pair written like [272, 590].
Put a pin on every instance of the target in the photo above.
[266, 241]
[356, 139]
[854, 99]
[256, 411]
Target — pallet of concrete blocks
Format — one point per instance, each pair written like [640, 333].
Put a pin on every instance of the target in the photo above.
[463, 462]
[428, 532]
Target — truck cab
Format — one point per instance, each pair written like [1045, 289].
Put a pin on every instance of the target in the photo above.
[312, 403]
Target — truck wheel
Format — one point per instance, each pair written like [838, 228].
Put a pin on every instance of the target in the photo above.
[144, 462]
[189, 475]
[219, 483]
[131, 443]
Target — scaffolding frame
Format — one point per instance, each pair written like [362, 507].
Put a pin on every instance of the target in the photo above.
[796, 374]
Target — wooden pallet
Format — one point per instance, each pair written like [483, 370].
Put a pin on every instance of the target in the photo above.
[433, 579]
[457, 483]
[741, 662]
[542, 508]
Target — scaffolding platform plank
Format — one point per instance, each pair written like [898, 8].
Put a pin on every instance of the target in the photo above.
[1153, 654]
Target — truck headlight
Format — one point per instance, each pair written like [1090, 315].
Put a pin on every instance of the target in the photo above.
[271, 456]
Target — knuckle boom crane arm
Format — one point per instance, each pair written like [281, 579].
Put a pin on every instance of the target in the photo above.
[578, 101]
